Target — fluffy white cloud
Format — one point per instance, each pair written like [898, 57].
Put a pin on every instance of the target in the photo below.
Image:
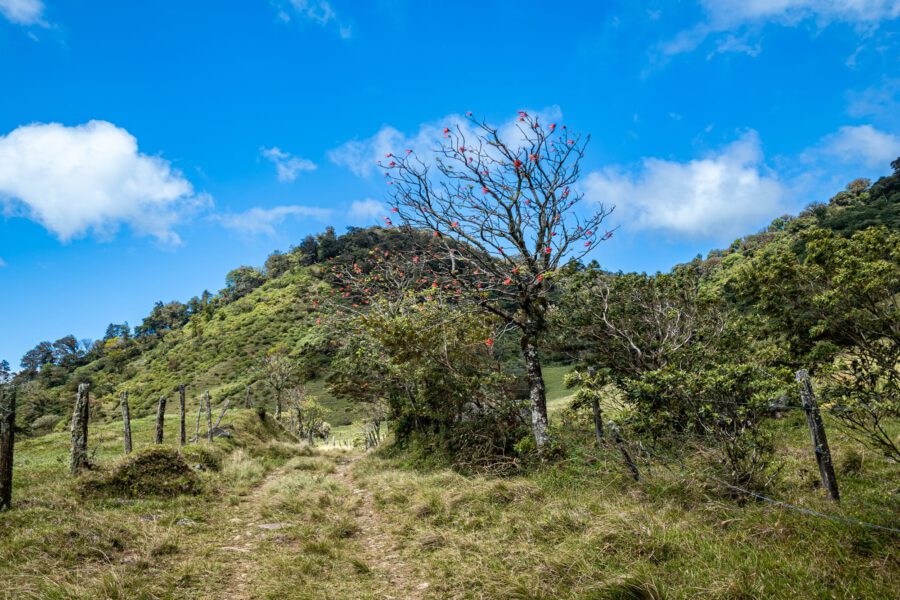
[716, 197]
[23, 12]
[722, 16]
[318, 12]
[287, 165]
[262, 221]
[362, 156]
[862, 144]
[366, 211]
[91, 177]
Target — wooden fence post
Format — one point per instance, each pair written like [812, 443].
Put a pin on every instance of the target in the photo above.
[197, 428]
[80, 416]
[617, 436]
[595, 409]
[222, 414]
[126, 421]
[7, 443]
[209, 428]
[817, 432]
[182, 437]
[160, 419]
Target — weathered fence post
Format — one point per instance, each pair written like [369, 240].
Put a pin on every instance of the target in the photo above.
[80, 416]
[126, 422]
[222, 414]
[182, 436]
[817, 432]
[160, 419]
[209, 429]
[617, 436]
[197, 429]
[7, 443]
[595, 409]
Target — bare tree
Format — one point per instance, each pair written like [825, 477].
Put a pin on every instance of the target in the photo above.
[278, 370]
[504, 214]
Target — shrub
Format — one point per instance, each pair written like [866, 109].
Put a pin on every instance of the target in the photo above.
[159, 471]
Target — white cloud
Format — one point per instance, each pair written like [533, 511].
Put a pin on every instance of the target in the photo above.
[721, 195]
[722, 17]
[2, 262]
[725, 14]
[366, 211]
[262, 221]
[91, 177]
[862, 144]
[287, 165]
[318, 12]
[362, 156]
[882, 100]
[23, 12]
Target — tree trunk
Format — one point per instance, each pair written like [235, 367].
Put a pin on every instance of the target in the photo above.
[278, 405]
[209, 427]
[817, 432]
[7, 444]
[538, 391]
[126, 422]
[182, 437]
[160, 419]
[80, 416]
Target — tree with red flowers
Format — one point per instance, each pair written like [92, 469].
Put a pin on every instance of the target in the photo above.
[503, 215]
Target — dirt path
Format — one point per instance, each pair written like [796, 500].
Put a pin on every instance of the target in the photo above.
[381, 550]
[239, 543]
[242, 536]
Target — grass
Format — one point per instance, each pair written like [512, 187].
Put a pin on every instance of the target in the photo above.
[276, 519]
[558, 395]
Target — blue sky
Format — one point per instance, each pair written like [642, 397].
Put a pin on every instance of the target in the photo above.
[146, 148]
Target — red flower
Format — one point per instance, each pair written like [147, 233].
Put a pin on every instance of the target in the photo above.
[388, 155]
[517, 164]
[489, 342]
[552, 126]
[409, 151]
[484, 189]
[540, 278]
[454, 224]
[533, 157]
[446, 130]
[468, 113]
[395, 209]
[507, 281]
[548, 250]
